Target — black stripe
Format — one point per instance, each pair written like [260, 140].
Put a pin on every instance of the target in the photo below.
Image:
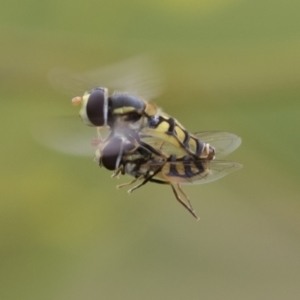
[171, 129]
[172, 170]
[186, 139]
[199, 147]
[199, 166]
[187, 162]
[187, 169]
[155, 121]
[188, 166]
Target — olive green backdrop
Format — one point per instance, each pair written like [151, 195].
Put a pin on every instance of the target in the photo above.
[67, 233]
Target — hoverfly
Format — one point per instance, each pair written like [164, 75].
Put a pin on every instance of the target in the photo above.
[123, 110]
[145, 158]
[119, 110]
[127, 155]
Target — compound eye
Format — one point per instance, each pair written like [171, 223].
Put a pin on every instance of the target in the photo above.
[96, 107]
[111, 154]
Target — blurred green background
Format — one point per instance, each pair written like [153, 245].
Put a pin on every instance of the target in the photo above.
[67, 233]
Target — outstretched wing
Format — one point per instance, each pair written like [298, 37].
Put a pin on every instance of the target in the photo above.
[139, 75]
[65, 135]
[223, 142]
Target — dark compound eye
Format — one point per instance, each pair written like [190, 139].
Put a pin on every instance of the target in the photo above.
[96, 108]
[111, 153]
[114, 151]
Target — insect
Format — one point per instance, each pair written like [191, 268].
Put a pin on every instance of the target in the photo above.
[143, 157]
[121, 110]
[127, 110]
[125, 155]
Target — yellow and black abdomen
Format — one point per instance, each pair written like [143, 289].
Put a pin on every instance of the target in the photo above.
[184, 170]
[170, 130]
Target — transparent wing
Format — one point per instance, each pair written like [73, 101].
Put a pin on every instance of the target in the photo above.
[139, 75]
[203, 171]
[223, 142]
[65, 135]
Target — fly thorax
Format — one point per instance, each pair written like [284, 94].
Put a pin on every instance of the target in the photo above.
[123, 104]
[126, 110]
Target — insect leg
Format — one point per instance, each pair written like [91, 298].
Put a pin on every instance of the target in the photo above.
[117, 172]
[129, 183]
[96, 141]
[184, 195]
[149, 178]
[99, 133]
[190, 209]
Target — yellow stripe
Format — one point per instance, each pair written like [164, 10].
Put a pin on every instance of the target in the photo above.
[162, 135]
[192, 145]
[180, 134]
[123, 110]
[162, 127]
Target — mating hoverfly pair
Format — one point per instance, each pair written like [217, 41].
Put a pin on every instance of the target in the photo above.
[152, 146]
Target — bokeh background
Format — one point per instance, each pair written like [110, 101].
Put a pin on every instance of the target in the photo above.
[67, 233]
